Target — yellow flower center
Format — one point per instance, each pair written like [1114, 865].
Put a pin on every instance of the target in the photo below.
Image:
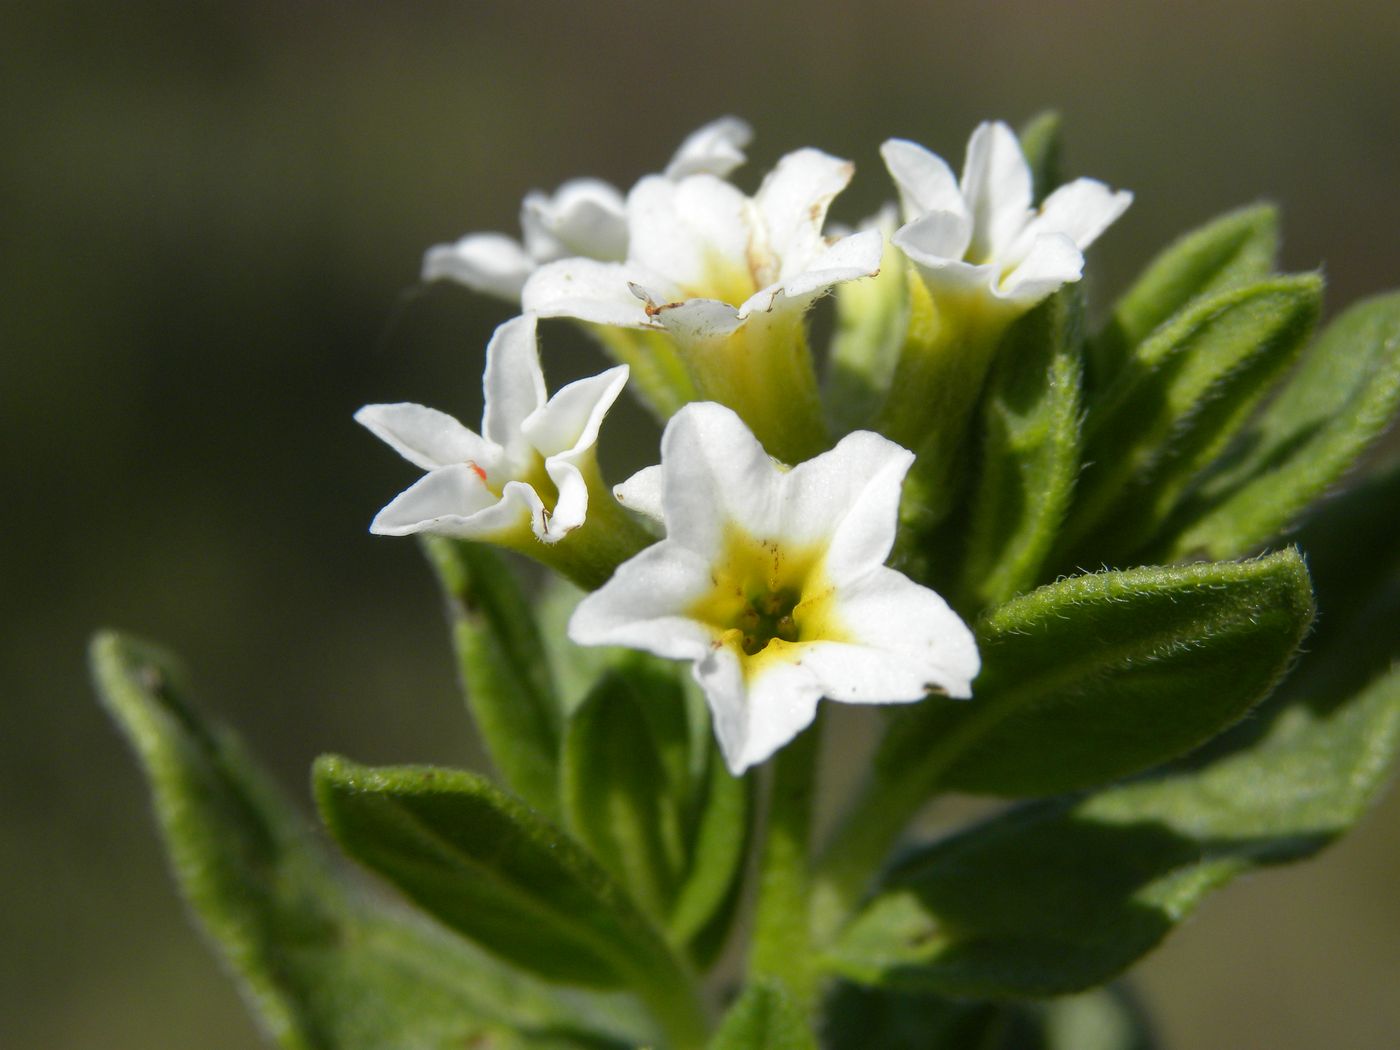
[768, 599]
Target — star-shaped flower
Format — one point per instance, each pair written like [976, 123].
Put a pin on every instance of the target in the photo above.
[529, 469]
[982, 235]
[702, 257]
[584, 217]
[772, 581]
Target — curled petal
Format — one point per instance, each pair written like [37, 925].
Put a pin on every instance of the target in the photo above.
[715, 149]
[935, 238]
[642, 492]
[792, 204]
[926, 183]
[695, 321]
[450, 501]
[996, 184]
[584, 217]
[426, 437]
[1081, 211]
[513, 382]
[491, 263]
[1052, 261]
[590, 291]
[848, 259]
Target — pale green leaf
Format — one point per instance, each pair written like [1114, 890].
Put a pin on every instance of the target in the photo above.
[765, 1017]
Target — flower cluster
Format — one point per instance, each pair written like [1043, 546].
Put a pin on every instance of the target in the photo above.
[770, 576]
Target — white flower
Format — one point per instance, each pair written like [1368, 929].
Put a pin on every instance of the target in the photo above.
[702, 257]
[524, 472]
[773, 582]
[584, 217]
[982, 235]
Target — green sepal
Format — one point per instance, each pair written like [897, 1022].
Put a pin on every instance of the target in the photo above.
[620, 796]
[1042, 144]
[1235, 248]
[1174, 407]
[1060, 896]
[504, 670]
[1341, 398]
[1030, 420]
[872, 315]
[324, 966]
[1097, 677]
[764, 1017]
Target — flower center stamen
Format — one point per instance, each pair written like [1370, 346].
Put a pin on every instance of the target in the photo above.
[768, 616]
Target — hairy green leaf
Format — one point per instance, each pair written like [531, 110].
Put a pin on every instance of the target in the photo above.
[765, 1017]
[505, 673]
[1097, 677]
[1236, 248]
[1174, 407]
[1341, 398]
[1059, 896]
[618, 798]
[1042, 142]
[324, 966]
[489, 867]
[1030, 453]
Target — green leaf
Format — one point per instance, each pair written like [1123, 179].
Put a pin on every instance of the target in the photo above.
[619, 797]
[765, 1017]
[709, 896]
[575, 669]
[1175, 406]
[1097, 677]
[489, 867]
[324, 966]
[505, 672]
[1030, 453]
[1060, 896]
[1042, 142]
[1234, 249]
[871, 318]
[1341, 398]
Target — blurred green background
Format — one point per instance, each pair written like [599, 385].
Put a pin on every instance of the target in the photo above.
[211, 218]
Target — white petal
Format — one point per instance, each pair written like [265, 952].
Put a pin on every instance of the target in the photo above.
[716, 472]
[935, 238]
[569, 422]
[849, 498]
[1081, 211]
[588, 291]
[692, 231]
[940, 273]
[1052, 261]
[426, 437]
[513, 382]
[919, 634]
[996, 184]
[754, 718]
[584, 217]
[848, 259]
[645, 605]
[792, 203]
[715, 149]
[925, 181]
[447, 501]
[491, 263]
[570, 504]
[642, 492]
[695, 321]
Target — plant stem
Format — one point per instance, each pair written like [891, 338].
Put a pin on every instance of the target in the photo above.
[782, 941]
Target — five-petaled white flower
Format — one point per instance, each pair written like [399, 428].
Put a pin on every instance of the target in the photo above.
[773, 582]
[585, 217]
[526, 470]
[702, 257]
[982, 236]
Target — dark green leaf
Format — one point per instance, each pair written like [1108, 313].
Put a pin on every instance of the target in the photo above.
[489, 867]
[619, 797]
[1236, 248]
[1060, 896]
[765, 1017]
[1030, 453]
[325, 967]
[1097, 677]
[1343, 395]
[1175, 406]
[505, 673]
[1042, 143]
[719, 843]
